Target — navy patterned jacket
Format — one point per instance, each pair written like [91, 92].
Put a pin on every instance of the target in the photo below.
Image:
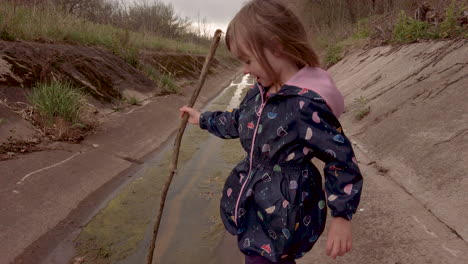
[273, 200]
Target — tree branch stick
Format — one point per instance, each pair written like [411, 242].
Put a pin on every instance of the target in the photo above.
[175, 154]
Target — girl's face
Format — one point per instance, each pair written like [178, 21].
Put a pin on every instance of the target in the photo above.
[250, 65]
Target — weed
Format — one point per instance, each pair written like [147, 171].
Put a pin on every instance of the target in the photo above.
[360, 114]
[362, 110]
[57, 99]
[168, 85]
[1, 120]
[133, 100]
[361, 100]
[333, 54]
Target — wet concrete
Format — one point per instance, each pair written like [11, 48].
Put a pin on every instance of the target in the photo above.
[191, 230]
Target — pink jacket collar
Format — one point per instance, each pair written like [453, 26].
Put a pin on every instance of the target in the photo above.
[319, 81]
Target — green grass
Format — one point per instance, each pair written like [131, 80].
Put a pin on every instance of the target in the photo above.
[168, 85]
[57, 99]
[32, 23]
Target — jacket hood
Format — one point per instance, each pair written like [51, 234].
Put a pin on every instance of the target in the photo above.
[319, 81]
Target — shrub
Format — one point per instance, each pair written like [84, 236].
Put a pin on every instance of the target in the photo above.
[407, 29]
[57, 99]
[450, 27]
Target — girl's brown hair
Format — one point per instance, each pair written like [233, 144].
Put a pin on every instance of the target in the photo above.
[264, 24]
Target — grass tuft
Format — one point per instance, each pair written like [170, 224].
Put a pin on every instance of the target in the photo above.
[56, 99]
[133, 100]
[168, 85]
[362, 109]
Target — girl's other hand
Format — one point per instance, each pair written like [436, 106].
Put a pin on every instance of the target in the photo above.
[339, 240]
[194, 114]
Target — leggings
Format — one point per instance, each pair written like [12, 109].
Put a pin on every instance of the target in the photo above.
[262, 260]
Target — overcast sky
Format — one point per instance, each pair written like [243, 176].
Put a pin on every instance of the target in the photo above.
[218, 13]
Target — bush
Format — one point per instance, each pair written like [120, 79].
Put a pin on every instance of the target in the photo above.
[450, 27]
[407, 29]
[57, 99]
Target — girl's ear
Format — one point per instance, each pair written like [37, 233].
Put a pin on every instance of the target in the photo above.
[277, 47]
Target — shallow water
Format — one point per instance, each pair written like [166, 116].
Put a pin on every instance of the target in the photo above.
[191, 230]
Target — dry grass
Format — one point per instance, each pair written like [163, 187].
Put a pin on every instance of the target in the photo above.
[34, 23]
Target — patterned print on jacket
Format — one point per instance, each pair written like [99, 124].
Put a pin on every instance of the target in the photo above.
[273, 200]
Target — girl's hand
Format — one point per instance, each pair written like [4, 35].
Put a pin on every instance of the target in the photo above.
[194, 114]
[339, 240]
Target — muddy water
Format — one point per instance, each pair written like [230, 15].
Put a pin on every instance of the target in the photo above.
[191, 230]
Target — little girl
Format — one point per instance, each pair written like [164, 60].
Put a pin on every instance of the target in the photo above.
[273, 200]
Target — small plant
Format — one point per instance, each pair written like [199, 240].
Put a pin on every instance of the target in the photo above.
[133, 100]
[1, 120]
[361, 100]
[333, 54]
[362, 110]
[362, 113]
[407, 29]
[167, 84]
[56, 99]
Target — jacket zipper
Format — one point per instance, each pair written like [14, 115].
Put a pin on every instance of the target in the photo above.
[259, 114]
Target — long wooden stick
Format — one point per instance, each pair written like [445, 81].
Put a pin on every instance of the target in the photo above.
[175, 153]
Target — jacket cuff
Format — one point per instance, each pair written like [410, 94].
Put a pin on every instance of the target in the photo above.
[347, 216]
[203, 122]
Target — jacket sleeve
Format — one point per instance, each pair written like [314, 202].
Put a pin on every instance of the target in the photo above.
[324, 136]
[221, 124]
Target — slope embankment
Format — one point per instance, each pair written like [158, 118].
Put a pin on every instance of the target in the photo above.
[407, 107]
